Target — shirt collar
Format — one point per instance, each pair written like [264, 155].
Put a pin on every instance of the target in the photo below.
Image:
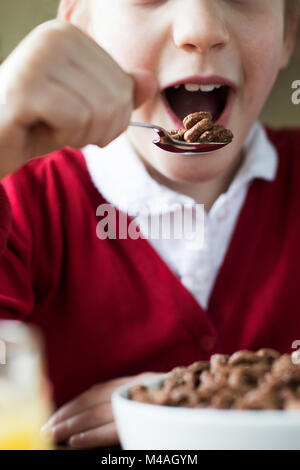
[260, 159]
[122, 179]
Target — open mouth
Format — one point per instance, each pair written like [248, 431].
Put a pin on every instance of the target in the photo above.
[188, 98]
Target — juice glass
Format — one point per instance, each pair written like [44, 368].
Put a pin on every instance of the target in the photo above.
[25, 402]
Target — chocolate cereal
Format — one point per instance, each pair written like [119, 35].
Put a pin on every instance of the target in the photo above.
[245, 380]
[199, 127]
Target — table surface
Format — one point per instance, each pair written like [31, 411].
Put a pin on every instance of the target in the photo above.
[65, 447]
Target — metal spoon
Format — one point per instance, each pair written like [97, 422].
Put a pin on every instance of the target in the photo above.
[168, 144]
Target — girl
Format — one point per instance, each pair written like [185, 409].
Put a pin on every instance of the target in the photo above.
[112, 307]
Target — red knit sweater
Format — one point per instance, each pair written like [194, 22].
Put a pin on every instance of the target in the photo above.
[110, 308]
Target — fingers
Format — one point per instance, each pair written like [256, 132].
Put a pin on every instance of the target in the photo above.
[83, 421]
[100, 393]
[65, 118]
[96, 78]
[96, 395]
[50, 103]
[110, 110]
[92, 418]
[104, 436]
[61, 88]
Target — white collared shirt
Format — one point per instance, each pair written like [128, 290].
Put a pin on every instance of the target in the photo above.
[122, 179]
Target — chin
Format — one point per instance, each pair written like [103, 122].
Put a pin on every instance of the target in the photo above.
[191, 169]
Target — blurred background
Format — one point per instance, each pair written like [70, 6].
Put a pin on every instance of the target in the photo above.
[18, 17]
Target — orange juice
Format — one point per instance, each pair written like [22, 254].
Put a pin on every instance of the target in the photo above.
[25, 403]
[21, 424]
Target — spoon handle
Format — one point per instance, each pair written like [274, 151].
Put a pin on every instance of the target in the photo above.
[160, 131]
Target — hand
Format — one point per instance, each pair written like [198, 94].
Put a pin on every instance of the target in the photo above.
[87, 421]
[58, 88]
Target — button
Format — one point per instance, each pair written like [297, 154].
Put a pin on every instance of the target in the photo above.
[208, 343]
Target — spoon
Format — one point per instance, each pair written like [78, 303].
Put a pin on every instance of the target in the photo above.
[168, 144]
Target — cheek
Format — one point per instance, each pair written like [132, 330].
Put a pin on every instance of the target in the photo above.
[133, 48]
[134, 54]
[262, 55]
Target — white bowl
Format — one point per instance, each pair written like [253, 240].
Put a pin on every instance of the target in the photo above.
[155, 427]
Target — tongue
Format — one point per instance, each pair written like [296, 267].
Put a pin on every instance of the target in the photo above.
[185, 102]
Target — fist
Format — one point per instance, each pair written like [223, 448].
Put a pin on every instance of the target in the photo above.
[58, 88]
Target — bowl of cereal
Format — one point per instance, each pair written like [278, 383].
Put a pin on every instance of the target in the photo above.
[249, 400]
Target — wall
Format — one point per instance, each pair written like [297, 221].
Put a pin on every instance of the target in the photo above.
[18, 17]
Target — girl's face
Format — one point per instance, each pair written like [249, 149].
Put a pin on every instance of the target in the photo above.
[238, 45]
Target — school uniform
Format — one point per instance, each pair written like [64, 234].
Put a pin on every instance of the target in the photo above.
[118, 306]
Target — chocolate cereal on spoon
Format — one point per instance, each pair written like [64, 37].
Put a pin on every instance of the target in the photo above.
[199, 127]
[200, 135]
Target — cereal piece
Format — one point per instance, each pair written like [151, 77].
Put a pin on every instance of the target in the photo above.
[224, 399]
[243, 357]
[183, 396]
[199, 366]
[197, 130]
[217, 134]
[213, 382]
[284, 374]
[137, 389]
[177, 134]
[282, 364]
[207, 137]
[174, 378]
[221, 375]
[190, 378]
[258, 400]
[159, 397]
[204, 397]
[220, 134]
[139, 393]
[289, 378]
[180, 376]
[269, 355]
[207, 381]
[218, 361]
[193, 118]
[244, 378]
[241, 380]
[196, 369]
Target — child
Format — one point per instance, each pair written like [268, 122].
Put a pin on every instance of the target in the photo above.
[116, 307]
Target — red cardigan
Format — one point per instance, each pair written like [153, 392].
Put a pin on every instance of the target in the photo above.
[109, 308]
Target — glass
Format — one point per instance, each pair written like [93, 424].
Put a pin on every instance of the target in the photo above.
[25, 398]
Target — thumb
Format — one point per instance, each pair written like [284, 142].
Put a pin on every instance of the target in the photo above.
[145, 86]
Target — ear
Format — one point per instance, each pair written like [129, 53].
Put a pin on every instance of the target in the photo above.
[75, 12]
[290, 36]
[66, 9]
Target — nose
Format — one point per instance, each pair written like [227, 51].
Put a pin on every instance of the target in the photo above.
[200, 25]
